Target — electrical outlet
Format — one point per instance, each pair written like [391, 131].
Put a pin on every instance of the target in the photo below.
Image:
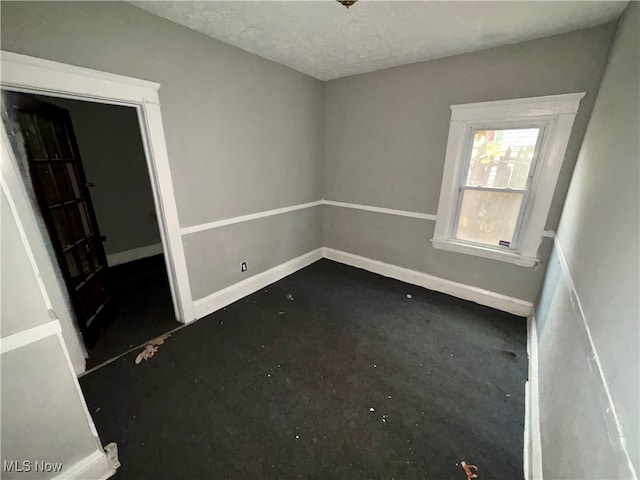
[243, 267]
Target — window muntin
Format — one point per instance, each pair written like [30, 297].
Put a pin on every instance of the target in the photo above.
[554, 116]
[495, 184]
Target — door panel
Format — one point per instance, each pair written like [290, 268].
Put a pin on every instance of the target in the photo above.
[61, 189]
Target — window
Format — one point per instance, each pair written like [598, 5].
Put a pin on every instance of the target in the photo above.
[501, 168]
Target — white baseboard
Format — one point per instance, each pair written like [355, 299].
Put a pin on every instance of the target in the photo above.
[532, 445]
[532, 440]
[95, 466]
[495, 300]
[134, 254]
[226, 296]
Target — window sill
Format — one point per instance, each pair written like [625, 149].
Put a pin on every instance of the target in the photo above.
[478, 251]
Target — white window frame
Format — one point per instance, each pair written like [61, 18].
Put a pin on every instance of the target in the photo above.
[554, 116]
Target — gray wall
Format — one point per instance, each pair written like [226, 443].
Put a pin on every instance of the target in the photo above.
[243, 134]
[599, 236]
[386, 137]
[284, 236]
[17, 278]
[39, 395]
[246, 135]
[114, 161]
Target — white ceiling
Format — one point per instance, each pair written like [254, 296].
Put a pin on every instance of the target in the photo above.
[325, 40]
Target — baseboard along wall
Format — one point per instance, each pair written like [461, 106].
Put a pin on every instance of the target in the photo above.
[481, 296]
[532, 453]
[95, 466]
[134, 254]
[228, 295]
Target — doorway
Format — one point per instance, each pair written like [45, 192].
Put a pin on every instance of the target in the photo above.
[22, 73]
[86, 164]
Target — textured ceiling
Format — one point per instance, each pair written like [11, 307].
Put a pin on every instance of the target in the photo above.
[326, 40]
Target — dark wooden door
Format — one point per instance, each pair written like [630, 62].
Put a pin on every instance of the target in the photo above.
[63, 196]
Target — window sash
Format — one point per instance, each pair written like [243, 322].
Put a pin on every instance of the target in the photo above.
[492, 189]
[525, 206]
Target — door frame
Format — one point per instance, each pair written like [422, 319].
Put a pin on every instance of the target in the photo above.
[22, 73]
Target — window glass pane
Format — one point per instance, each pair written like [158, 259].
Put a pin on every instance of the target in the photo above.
[63, 140]
[60, 221]
[49, 137]
[62, 181]
[75, 222]
[488, 217]
[83, 254]
[71, 263]
[502, 158]
[93, 255]
[30, 135]
[47, 182]
[86, 219]
[72, 171]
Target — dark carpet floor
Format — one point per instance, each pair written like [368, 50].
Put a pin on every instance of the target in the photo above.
[142, 308]
[350, 380]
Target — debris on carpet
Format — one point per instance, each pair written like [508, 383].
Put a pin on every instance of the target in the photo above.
[470, 470]
[151, 348]
[111, 450]
[289, 297]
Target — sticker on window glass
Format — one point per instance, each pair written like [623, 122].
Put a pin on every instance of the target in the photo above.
[504, 243]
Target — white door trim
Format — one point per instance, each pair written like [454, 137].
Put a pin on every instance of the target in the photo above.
[29, 74]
